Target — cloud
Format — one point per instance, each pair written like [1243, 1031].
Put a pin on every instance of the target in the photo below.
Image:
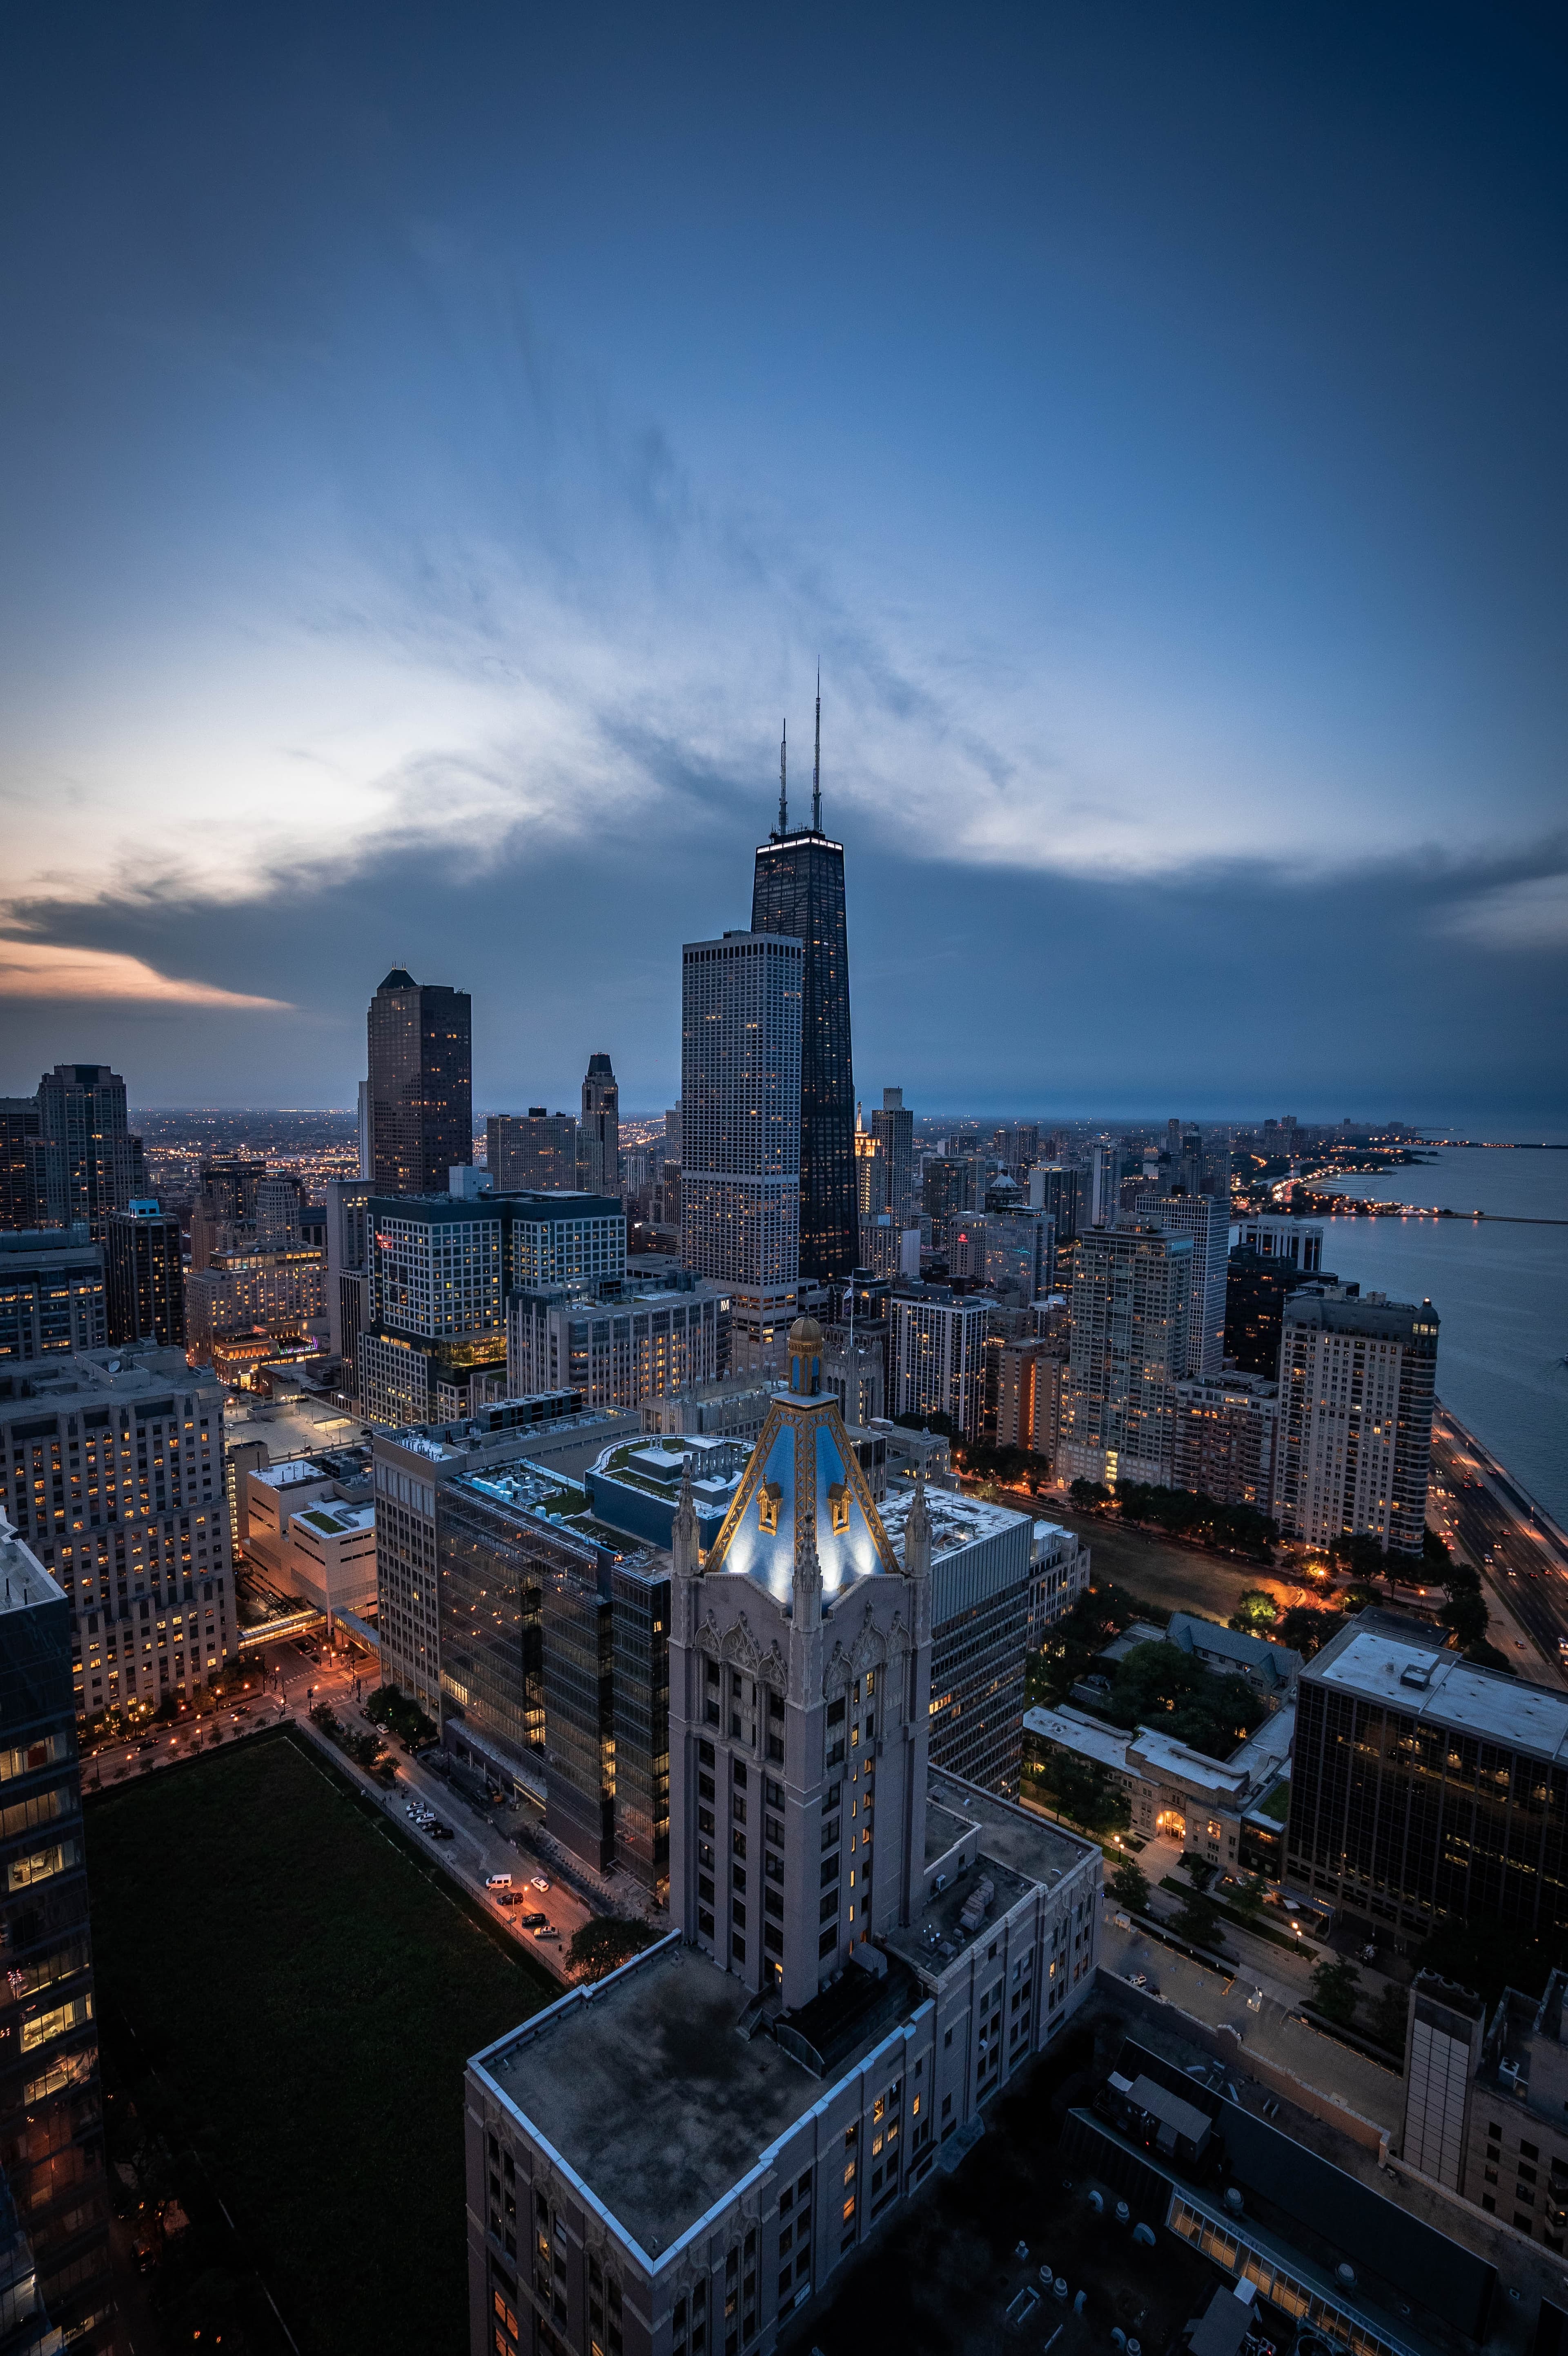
[54, 970]
[1530, 914]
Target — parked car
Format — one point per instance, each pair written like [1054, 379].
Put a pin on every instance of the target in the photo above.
[532, 1922]
[440, 1832]
[541, 1882]
[500, 1882]
[544, 1930]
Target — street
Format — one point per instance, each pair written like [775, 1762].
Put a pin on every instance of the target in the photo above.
[289, 1684]
[1495, 1529]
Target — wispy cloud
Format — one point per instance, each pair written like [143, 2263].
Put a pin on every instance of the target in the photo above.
[1528, 913]
[40, 969]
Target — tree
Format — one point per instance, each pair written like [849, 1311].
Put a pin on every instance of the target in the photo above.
[1197, 1869]
[1129, 1887]
[1389, 2015]
[1468, 1617]
[1089, 1497]
[1257, 1609]
[604, 1945]
[1334, 1988]
[1083, 1791]
[1487, 1656]
[1249, 1899]
[390, 1706]
[1306, 1630]
[1435, 1550]
[1198, 1921]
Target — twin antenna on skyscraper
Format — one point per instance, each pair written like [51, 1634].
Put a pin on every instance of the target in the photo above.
[816, 771]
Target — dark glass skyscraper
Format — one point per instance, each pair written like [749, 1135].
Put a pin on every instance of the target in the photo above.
[798, 889]
[422, 1092]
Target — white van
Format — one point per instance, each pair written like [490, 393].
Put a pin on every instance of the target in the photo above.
[497, 1881]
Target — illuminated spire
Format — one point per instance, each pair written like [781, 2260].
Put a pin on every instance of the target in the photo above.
[783, 805]
[816, 765]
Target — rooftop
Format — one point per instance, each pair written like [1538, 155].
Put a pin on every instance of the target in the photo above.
[1018, 1852]
[1384, 1657]
[1275, 1663]
[23, 1581]
[643, 2088]
[957, 1519]
[95, 1373]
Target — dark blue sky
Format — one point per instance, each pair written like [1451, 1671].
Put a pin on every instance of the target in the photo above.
[436, 447]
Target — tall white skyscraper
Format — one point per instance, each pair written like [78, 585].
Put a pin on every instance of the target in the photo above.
[739, 1104]
[1208, 1222]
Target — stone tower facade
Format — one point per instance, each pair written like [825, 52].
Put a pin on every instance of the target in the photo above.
[800, 1689]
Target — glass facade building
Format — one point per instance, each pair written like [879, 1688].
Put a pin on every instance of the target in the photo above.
[490, 1562]
[54, 2215]
[421, 1084]
[797, 890]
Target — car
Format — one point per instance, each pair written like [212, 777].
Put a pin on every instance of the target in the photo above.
[531, 1922]
[1139, 1979]
[510, 1898]
[497, 1881]
[440, 1832]
[545, 1931]
[540, 1881]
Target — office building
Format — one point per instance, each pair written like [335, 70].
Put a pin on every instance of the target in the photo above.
[23, 1188]
[55, 2286]
[280, 1295]
[741, 1124]
[1131, 1335]
[1062, 1564]
[854, 1369]
[145, 1277]
[421, 1084]
[534, 1152]
[1356, 1377]
[797, 891]
[1018, 1253]
[938, 1350]
[309, 1526]
[871, 1173]
[866, 1920]
[114, 1461]
[942, 1190]
[53, 1295]
[1174, 1792]
[599, 1132]
[409, 1472]
[279, 1212]
[1486, 2101]
[617, 1346]
[92, 1164]
[1424, 1789]
[565, 1239]
[889, 1250]
[982, 1579]
[1207, 1220]
[1226, 1430]
[347, 1272]
[1256, 1289]
[894, 1129]
[1278, 1236]
[1055, 1191]
[230, 1182]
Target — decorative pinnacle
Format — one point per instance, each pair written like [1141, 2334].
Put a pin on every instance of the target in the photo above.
[783, 763]
[816, 765]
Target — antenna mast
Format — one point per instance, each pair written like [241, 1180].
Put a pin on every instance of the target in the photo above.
[783, 805]
[816, 765]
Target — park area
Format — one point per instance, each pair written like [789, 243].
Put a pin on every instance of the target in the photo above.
[288, 1993]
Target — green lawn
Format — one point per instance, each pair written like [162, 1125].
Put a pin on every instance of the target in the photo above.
[308, 1990]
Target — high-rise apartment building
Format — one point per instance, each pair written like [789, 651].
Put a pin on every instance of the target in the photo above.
[1299, 1243]
[894, 1129]
[599, 1132]
[54, 2285]
[740, 1127]
[1208, 1222]
[1131, 1334]
[114, 1462]
[421, 1095]
[809, 1832]
[24, 1190]
[1227, 1431]
[146, 1279]
[53, 1297]
[1056, 1191]
[230, 1182]
[535, 1152]
[279, 1212]
[1357, 1379]
[616, 1345]
[277, 1293]
[1423, 1790]
[797, 891]
[939, 1357]
[92, 1164]
[942, 1191]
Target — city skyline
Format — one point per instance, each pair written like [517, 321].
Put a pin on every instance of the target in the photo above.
[1154, 439]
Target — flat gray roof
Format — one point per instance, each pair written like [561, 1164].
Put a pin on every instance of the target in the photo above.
[1026, 1844]
[647, 2093]
[1374, 1660]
